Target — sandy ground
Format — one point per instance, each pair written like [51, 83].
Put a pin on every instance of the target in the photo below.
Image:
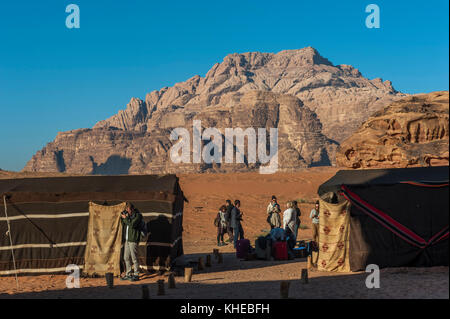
[237, 278]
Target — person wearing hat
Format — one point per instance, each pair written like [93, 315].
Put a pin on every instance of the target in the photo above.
[273, 213]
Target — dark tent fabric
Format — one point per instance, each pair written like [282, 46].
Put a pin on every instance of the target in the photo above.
[370, 177]
[398, 217]
[49, 219]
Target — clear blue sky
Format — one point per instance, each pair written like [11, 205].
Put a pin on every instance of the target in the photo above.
[55, 79]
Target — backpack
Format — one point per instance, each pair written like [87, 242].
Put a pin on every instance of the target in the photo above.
[228, 213]
[269, 218]
[143, 228]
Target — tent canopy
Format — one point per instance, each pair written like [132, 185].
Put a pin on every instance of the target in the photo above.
[397, 217]
[362, 178]
[49, 219]
[83, 184]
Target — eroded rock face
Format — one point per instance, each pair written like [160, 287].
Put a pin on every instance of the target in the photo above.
[410, 132]
[117, 151]
[312, 102]
[340, 96]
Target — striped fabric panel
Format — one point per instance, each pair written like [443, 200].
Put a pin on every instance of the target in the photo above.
[58, 208]
[60, 245]
[156, 214]
[425, 184]
[35, 271]
[388, 222]
[160, 244]
[69, 215]
[43, 216]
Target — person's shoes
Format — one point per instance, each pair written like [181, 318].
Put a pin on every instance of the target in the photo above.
[125, 277]
[220, 244]
[224, 243]
[134, 278]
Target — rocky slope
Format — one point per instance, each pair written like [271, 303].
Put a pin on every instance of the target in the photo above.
[340, 96]
[312, 102]
[114, 151]
[409, 132]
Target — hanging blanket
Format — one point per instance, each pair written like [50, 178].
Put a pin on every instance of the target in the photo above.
[104, 240]
[334, 232]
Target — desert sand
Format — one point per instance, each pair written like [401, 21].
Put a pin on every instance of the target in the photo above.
[237, 278]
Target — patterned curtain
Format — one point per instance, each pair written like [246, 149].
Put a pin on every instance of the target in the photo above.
[104, 240]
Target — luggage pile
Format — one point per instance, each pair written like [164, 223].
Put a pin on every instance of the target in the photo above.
[266, 249]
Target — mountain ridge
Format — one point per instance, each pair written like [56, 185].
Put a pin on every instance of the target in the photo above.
[321, 104]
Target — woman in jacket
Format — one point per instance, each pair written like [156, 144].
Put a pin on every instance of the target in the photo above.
[273, 213]
[222, 225]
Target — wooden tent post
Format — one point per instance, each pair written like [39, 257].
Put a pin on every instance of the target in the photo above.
[10, 241]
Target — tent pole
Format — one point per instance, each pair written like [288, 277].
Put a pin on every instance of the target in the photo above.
[10, 241]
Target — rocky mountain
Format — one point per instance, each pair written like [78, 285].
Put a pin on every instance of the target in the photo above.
[312, 102]
[340, 96]
[115, 151]
[410, 132]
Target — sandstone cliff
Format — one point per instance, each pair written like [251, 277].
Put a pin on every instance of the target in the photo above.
[409, 132]
[313, 103]
[340, 96]
[115, 151]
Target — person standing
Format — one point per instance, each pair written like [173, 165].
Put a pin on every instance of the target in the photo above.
[236, 218]
[314, 215]
[221, 225]
[289, 217]
[229, 229]
[297, 217]
[273, 212]
[131, 219]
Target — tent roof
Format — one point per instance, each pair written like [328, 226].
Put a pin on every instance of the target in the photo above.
[364, 178]
[94, 183]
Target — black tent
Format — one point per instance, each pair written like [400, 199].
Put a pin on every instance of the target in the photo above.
[397, 217]
[48, 219]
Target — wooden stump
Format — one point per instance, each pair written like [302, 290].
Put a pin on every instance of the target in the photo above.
[109, 279]
[220, 258]
[304, 278]
[161, 291]
[208, 261]
[284, 289]
[171, 281]
[145, 293]
[187, 274]
[200, 265]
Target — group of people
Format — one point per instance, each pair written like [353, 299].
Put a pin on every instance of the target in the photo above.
[291, 217]
[229, 218]
[229, 221]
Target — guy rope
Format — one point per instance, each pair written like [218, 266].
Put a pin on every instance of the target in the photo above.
[10, 240]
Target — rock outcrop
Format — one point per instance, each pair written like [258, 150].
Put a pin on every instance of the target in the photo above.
[410, 132]
[313, 103]
[340, 96]
[117, 151]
